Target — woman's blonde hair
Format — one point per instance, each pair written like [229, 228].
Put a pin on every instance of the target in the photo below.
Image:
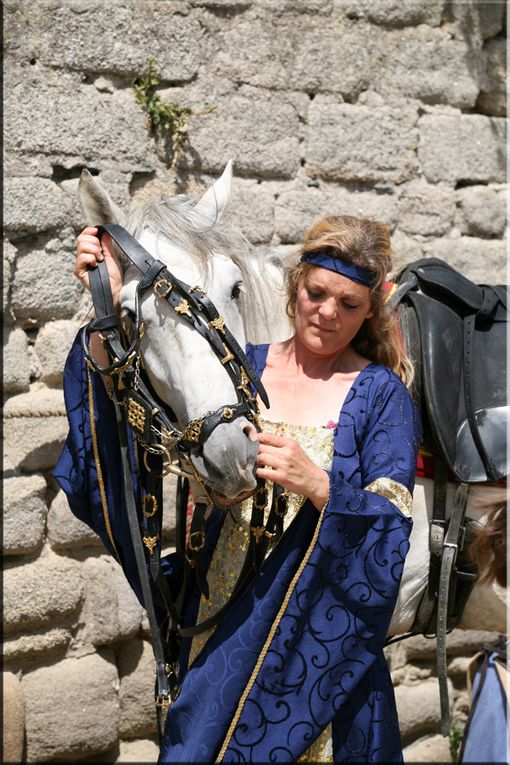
[365, 243]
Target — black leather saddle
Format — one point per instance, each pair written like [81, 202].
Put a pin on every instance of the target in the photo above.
[455, 333]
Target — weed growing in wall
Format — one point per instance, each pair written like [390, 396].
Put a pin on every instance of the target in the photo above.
[167, 119]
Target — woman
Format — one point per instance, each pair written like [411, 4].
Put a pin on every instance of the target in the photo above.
[296, 670]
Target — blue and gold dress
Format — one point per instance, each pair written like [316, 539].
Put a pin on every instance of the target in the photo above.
[296, 669]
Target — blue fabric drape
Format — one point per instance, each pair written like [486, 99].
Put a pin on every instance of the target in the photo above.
[303, 647]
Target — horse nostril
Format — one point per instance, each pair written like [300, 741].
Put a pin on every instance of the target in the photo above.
[250, 430]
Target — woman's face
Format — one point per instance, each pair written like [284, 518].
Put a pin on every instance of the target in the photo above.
[330, 309]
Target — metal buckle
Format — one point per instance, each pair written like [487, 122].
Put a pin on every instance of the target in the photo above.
[228, 413]
[149, 499]
[163, 287]
[198, 547]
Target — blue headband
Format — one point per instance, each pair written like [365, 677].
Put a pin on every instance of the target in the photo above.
[355, 273]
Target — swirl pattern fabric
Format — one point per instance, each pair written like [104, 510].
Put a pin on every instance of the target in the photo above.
[303, 648]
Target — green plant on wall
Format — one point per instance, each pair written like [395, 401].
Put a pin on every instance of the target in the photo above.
[168, 119]
[455, 736]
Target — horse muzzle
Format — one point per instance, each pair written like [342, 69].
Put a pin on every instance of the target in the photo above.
[226, 461]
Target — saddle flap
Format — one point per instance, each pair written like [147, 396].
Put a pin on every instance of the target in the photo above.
[441, 363]
[449, 284]
[493, 426]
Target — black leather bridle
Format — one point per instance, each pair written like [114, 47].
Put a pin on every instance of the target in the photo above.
[153, 427]
[194, 307]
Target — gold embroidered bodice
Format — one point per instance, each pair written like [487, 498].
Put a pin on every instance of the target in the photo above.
[230, 552]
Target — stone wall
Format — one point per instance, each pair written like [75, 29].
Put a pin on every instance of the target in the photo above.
[370, 107]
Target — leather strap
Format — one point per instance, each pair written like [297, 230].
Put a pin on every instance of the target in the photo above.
[151, 269]
[489, 303]
[163, 686]
[450, 548]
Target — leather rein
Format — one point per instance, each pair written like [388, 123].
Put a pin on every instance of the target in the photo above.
[138, 410]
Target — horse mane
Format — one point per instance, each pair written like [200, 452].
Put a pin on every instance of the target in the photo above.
[177, 220]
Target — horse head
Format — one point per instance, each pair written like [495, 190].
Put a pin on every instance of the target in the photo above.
[195, 242]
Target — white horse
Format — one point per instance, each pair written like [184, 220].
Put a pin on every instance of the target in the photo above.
[196, 243]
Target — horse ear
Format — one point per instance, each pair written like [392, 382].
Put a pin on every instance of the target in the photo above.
[97, 205]
[214, 202]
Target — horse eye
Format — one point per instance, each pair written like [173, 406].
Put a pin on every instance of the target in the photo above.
[236, 291]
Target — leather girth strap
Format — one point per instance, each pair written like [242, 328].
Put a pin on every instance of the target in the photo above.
[450, 550]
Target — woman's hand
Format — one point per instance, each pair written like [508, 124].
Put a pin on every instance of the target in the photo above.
[283, 461]
[89, 253]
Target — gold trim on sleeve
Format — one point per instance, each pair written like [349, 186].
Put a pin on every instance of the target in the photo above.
[394, 491]
[102, 490]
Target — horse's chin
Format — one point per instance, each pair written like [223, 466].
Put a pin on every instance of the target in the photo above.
[220, 500]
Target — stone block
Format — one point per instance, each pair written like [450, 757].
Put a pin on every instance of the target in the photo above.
[111, 611]
[87, 125]
[405, 250]
[462, 147]
[253, 209]
[139, 750]
[35, 645]
[65, 531]
[482, 19]
[45, 591]
[418, 709]
[492, 98]
[13, 718]
[425, 209]
[310, 53]
[305, 6]
[429, 65]
[16, 377]
[481, 211]
[360, 143]
[393, 13]
[8, 262]
[428, 749]
[221, 4]
[163, 31]
[44, 287]
[33, 443]
[35, 428]
[419, 648]
[71, 708]
[458, 667]
[481, 260]
[261, 132]
[32, 205]
[299, 206]
[52, 345]
[136, 664]
[24, 514]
